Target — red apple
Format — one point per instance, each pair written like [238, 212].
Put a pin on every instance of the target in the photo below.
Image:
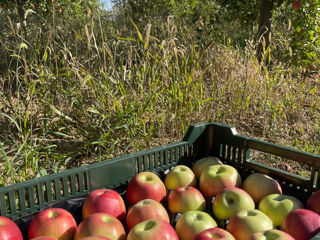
[277, 206]
[101, 224]
[204, 163]
[183, 199]
[44, 238]
[313, 202]
[104, 201]
[245, 223]
[296, 5]
[217, 177]
[260, 185]
[145, 185]
[53, 222]
[214, 233]
[301, 224]
[230, 201]
[192, 223]
[285, 167]
[9, 229]
[152, 230]
[95, 238]
[144, 210]
[180, 176]
[273, 234]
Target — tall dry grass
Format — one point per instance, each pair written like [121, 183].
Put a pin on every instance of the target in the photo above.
[75, 92]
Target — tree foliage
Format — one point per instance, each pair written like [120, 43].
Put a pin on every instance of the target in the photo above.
[237, 21]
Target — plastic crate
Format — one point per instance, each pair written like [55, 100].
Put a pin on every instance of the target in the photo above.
[24, 199]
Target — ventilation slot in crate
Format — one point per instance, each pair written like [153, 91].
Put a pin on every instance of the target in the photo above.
[232, 154]
[280, 163]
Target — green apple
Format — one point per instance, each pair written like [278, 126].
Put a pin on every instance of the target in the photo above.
[273, 234]
[180, 176]
[245, 223]
[204, 163]
[193, 222]
[184, 199]
[152, 229]
[217, 177]
[260, 185]
[230, 201]
[277, 206]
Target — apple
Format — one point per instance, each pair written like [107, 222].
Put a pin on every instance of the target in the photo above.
[273, 234]
[214, 233]
[193, 222]
[145, 185]
[296, 5]
[104, 201]
[260, 185]
[204, 163]
[180, 176]
[100, 224]
[53, 222]
[245, 223]
[285, 167]
[9, 230]
[95, 238]
[152, 229]
[183, 199]
[313, 202]
[301, 224]
[230, 201]
[217, 177]
[144, 210]
[44, 238]
[277, 206]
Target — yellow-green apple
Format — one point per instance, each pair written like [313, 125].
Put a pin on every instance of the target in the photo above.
[214, 233]
[145, 185]
[260, 185]
[230, 201]
[183, 199]
[44, 238]
[301, 224]
[313, 202]
[273, 234]
[277, 206]
[53, 222]
[217, 177]
[9, 230]
[180, 176]
[193, 222]
[95, 238]
[101, 224]
[204, 163]
[152, 229]
[144, 210]
[104, 201]
[245, 223]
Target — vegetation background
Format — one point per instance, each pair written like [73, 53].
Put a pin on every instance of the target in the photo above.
[80, 84]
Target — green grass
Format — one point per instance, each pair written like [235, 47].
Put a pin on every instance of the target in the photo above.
[70, 98]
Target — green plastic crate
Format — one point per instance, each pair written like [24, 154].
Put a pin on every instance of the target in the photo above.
[204, 139]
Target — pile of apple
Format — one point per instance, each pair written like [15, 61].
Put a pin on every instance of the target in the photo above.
[224, 207]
